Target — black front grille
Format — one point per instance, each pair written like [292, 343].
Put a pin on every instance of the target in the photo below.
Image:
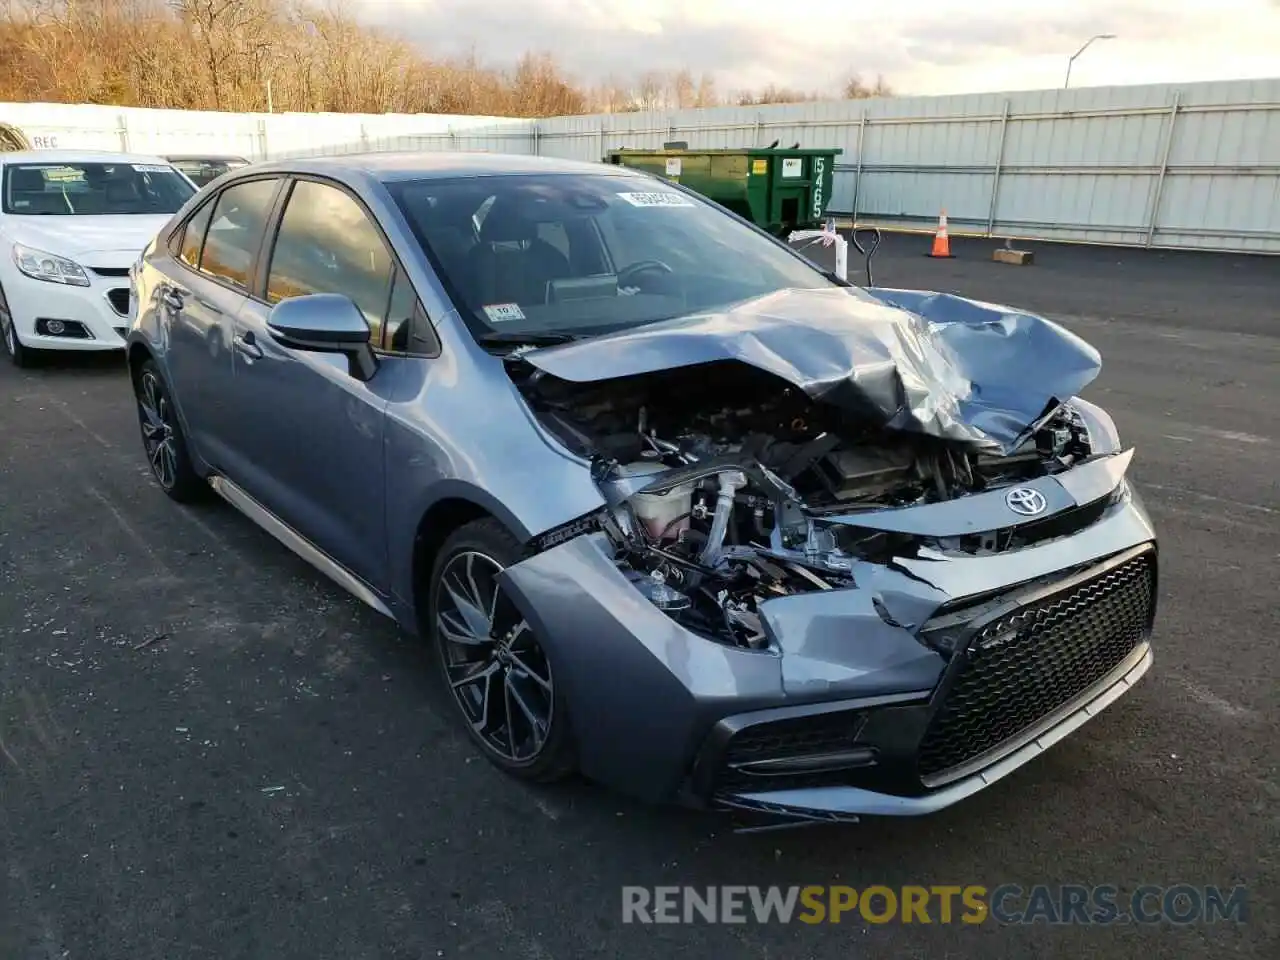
[813, 735]
[119, 298]
[1025, 664]
[111, 271]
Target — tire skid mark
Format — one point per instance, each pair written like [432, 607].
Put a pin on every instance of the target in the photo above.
[47, 935]
[61, 407]
[129, 529]
[1211, 498]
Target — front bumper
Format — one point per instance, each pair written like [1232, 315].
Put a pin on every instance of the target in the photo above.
[1024, 669]
[95, 317]
[842, 716]
[841, 802]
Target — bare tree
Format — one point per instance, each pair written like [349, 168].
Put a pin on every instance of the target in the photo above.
[315, 54]
[775, 94]
[855, 89]
[227, 31]
[706, 95]
[651, 91]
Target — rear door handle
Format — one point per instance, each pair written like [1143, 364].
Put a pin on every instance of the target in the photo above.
[247, 344]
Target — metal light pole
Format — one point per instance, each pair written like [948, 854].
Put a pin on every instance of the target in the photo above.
[1087, 44]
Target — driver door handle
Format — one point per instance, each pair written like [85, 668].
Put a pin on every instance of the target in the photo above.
[172, 299]
[247, 344]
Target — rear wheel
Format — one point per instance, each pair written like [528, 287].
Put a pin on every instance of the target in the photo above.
[19, 355]
[162, 437]
[496, 669]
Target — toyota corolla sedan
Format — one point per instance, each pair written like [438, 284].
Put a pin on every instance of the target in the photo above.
[676, 509]
[71, 225]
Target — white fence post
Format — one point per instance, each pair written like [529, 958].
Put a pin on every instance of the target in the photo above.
[995, 180]
[1154, 217]
[857, 176]
[262, 137]
[122, 131]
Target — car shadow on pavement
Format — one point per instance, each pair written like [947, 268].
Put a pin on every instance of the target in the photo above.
[49, 363]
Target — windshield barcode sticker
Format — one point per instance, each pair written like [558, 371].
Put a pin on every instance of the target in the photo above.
[151, 168]
[503, 312]
[656, 199]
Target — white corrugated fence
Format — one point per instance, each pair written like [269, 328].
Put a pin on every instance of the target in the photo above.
[1188, 166]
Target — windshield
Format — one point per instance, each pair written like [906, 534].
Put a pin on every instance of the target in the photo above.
[93, 189]
[564, 254]
[202, 170]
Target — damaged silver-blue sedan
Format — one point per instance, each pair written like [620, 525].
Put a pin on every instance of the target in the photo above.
[677, 510]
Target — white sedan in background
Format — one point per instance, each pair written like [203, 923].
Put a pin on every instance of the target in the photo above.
[72, 223]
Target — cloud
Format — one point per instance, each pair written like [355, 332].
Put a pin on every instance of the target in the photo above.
[922, 46]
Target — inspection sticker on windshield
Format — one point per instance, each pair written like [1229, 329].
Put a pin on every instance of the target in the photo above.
[151, 168]
[503, 312]
[656, 199]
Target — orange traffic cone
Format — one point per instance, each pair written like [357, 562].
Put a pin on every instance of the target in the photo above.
[941, 242]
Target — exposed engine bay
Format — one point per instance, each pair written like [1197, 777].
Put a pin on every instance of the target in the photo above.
[719, 477]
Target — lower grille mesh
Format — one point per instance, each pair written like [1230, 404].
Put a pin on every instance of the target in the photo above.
[805, 736]
[1023, 666]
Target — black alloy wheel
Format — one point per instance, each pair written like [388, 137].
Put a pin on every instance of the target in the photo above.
[497, 671]
[162, 437]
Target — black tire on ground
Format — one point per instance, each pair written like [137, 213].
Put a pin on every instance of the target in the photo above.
[162, 438]
[19, 355]
[508, 664]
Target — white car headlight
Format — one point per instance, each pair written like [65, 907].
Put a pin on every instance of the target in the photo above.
[47, 266]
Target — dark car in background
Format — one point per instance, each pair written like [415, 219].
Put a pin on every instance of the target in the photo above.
[676, 508]
[202, 169]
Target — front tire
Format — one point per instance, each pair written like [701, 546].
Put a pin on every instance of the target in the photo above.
[19, 355]
[493, 665]
[162, 438]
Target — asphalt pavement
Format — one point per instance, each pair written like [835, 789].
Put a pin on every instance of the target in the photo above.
[206, 750]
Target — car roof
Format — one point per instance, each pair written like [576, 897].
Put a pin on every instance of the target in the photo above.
[388, 167]
[77, 156]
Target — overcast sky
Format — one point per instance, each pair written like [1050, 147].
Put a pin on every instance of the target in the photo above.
[921, 46]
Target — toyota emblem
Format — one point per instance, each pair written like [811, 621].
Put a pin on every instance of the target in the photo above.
[1025, 501]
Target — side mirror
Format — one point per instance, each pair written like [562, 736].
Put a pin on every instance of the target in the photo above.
[325, 322]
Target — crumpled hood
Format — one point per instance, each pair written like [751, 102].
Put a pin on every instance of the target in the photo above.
[917, 361]
[74, 237]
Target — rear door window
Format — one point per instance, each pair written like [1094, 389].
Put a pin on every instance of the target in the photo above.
[235, 233]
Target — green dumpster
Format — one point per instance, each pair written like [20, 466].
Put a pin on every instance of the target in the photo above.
[777, 189]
